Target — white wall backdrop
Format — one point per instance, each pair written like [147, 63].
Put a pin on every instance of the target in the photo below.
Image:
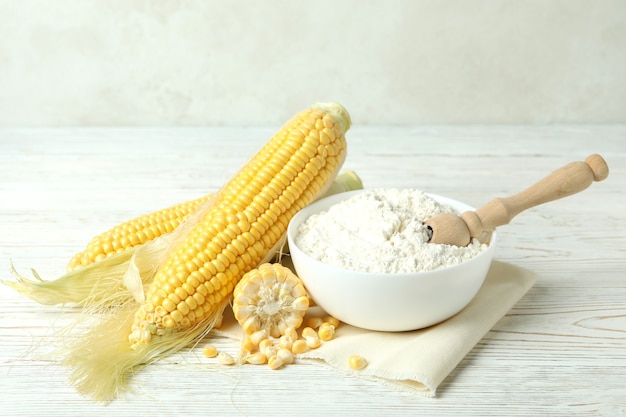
[211, 62]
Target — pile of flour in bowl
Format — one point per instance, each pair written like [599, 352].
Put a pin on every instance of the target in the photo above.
[381, 230]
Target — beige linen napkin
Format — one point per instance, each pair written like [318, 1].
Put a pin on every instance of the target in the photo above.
[419, 361]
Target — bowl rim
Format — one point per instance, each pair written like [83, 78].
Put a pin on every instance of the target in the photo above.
[312, 208]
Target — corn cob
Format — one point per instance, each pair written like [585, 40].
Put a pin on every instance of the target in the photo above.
[147, 227]
[133, 233]
[95, 274]
[241, 228]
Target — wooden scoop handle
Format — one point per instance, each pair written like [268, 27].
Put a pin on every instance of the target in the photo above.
[567, 180]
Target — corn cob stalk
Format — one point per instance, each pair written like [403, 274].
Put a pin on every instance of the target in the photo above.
[241, 228]
[95, 275]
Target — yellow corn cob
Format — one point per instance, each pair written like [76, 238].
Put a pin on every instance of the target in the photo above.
[246, 223]
[241, 228]
[134, 232]
[95, 274]
[147, 227]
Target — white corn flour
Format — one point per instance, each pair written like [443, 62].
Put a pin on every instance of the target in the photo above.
[380, 230]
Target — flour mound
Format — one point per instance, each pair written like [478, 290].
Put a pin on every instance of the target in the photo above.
[381, 230]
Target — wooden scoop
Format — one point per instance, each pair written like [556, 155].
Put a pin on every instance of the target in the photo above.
[567, 180]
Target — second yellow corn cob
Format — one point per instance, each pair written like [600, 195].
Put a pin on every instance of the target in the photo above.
[95, 274]
[133, 233]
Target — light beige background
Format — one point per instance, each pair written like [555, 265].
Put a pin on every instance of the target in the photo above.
[195, 62]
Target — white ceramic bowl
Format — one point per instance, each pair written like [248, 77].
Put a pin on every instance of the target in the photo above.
[388, 302]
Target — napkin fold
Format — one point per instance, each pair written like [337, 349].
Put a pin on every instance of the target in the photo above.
[418, 361]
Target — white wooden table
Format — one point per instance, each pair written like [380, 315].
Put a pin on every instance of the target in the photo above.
[560, 351]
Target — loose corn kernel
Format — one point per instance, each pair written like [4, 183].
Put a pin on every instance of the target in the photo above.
[332, 320]
[292, 333]
[258, 336]
[256, 358]
[314, 322]
[275, 362]
[357, 362]
[286, 355]
[247, 344]
[286, 341]
[265, 343]
[209, 351]
[225, 358]
[326, 331]
[311, 337]
[299, 346]
[313, 342]
[267, 347]
[308, 332]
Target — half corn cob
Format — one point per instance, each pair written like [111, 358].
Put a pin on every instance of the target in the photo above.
[270, 303]
[239, 229]
[270, 298]
[95, 274]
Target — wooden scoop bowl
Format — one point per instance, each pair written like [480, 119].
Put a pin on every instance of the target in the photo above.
[570, 179]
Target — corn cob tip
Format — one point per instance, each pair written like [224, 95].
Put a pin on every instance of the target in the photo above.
[338, 113]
